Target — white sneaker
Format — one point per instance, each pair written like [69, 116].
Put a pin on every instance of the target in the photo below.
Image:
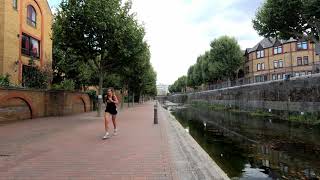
[106, 136]
[115, 132]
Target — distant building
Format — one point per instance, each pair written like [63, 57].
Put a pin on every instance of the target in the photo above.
[162, 90]
[25, 32]
[272, 58]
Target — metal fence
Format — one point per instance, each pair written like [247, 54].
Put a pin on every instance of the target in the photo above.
[244, 81]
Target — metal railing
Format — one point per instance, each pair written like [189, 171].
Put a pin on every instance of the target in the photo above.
[243, 81]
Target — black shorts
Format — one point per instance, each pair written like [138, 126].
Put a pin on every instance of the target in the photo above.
[112, 111]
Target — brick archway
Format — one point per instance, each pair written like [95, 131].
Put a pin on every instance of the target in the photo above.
[79, 97]
[21, 97]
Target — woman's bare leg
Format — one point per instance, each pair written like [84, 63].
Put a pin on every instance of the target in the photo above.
[106, 122]
[114, 121]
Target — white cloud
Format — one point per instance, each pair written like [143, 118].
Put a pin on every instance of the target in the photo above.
[180, 30]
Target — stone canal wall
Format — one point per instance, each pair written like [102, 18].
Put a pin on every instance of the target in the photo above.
[297, 94]
[18, 104]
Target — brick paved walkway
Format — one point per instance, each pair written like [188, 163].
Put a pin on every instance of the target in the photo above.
[67, 148]
[71, 148]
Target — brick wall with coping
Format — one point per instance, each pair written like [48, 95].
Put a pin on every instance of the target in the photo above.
[298, 94]
[18, 104]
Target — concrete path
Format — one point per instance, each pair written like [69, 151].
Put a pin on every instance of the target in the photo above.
[71, 148]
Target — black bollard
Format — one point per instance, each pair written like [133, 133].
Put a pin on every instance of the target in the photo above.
[155, 114]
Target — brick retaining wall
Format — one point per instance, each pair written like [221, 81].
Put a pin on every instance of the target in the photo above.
[298, 94]
[18, 104]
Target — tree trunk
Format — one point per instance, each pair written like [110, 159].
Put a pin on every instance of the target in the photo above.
[128, 96]
[122, 96]
[100, 100]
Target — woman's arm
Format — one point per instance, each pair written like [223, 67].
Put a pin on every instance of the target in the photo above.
[115, 99]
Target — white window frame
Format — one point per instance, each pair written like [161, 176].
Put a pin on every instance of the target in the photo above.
[280, 65]
[260, 54]
[275, 64]
[277, 50]
[303, 45]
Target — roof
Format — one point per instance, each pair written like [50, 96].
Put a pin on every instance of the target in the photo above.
[269, 42]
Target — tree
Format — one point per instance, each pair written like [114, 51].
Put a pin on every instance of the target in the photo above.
[285, 19]
[190, 79]
[221, 62]
[225, 58]
[204, 63]
[103, 34]
[179, 85]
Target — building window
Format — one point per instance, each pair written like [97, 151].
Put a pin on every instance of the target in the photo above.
[280, 64]
[274, 77]
[299, 61]
[277, 50]
[305, 60]
[261, 78]
[302, 45]
[15, 4]
[275, 64]
[260, 66]
[31, 16]
[30, 46]
[260, 54]
[280, 76]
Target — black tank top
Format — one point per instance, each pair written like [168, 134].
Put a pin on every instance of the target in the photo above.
[111, 105]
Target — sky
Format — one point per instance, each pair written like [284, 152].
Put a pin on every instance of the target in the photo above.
[178, 31]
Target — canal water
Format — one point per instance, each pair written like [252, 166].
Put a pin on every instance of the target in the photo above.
[247, 147]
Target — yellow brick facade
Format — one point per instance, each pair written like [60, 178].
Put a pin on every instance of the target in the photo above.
[289, 57]
[13, 23]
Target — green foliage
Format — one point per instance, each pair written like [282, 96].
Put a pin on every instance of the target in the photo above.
[100, 42]
[5, 80]
[34, 77]
[221, 62]
[179, 85]
[285, 19]
[225, 58]
[261, 113]
[92, 93]
[66, 84]
[93, 96]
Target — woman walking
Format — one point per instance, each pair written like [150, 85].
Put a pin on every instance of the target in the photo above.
[111, 111]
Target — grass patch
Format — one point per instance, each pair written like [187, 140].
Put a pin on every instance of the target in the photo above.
[306, 118]
[260, 113]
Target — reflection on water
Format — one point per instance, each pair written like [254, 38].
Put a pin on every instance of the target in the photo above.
[255, 148]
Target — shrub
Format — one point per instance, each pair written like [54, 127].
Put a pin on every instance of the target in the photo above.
[5, 80]
[66, 84]
[36, 78]
[92, 93]
[93, 96]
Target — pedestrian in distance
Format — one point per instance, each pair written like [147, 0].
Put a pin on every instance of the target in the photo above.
[110, 112]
